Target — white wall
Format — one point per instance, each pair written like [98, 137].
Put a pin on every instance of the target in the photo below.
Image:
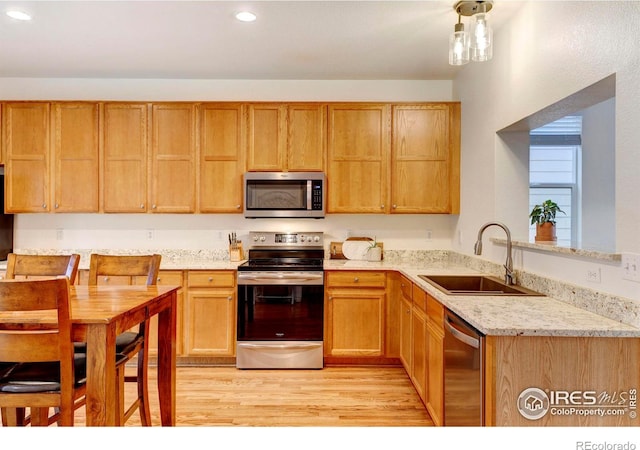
[209, 231]
[598, 173]
[549, 51]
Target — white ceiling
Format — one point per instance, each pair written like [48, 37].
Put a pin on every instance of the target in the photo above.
[295, 40]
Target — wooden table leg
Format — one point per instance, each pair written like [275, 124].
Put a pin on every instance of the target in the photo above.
[167, 362]
[101, 375]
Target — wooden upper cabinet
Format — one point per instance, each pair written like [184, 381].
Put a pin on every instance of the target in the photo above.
[286, 137]
[358, 153]
[76, 128]
[222, 146]
[267, 138]
[173, 158]
[425, 158]
[306, 137]
[26, 141]
[125, 156]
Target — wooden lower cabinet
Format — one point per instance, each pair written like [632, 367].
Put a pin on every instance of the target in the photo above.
[355, 303]
[405, 333]
[561, 381]
[435, 360]
[211, 313]
[419, 352]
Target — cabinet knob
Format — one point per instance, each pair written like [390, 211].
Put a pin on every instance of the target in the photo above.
[237, 206]
[381, 206]
[229, 298]
[153, 206]
[57, 206]
[44, 206]
[106, 278]
[210, 279]
[356, 279]
[394, 206]
[141, 205]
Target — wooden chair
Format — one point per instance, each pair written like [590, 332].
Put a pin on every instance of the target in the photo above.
[130, 343]
[34, 267]
[47, 373]
[40, 266]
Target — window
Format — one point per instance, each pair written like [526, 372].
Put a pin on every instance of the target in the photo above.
[554, 173]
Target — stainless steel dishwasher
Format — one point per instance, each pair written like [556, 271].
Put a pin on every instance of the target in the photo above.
[463, 373]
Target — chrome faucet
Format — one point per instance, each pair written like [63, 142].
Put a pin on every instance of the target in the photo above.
[509, 276]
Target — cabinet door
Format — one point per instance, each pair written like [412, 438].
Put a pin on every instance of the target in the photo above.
[173, 180]
[26, 140]
[358, 152]
[267, 138]
[405, 334]
[419, 352]
[212, 316]
[125, 157]
[354, 322]
[76, 128]
[435, 358]
[425, 159]
[406, 302]
[222, 129]
[306, 137]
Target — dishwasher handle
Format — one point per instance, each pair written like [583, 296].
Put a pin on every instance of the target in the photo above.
[459, 335]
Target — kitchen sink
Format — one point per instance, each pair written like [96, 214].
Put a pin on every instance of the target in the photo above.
[475, 285]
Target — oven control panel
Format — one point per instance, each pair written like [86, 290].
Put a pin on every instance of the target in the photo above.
[286, 239]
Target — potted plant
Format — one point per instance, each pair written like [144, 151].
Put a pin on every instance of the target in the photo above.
[544, 216]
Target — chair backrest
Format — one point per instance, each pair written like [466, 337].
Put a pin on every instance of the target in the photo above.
[46, 343]
[39, 266]
[124, 265]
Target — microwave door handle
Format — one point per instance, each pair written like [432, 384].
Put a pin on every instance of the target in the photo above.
[309, 192]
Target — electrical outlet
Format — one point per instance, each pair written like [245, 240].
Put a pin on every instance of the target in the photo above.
[59, 234]
[630, 269]
[428, 235]
[150, 234]
[594, 275]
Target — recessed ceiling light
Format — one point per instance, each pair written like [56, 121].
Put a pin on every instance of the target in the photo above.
[245, 16]
[18, 15]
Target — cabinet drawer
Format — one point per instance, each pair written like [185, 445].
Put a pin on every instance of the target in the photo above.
[435, 310]
[406, 287]
[218, 278]
[356, 279]
[170, 278]
[419, 298]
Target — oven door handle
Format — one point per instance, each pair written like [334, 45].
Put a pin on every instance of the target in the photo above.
[281, 346]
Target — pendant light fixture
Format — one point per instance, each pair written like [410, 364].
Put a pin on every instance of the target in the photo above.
[459, 45]
[479, 43]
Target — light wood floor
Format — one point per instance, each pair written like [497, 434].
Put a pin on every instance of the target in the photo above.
[335, 396]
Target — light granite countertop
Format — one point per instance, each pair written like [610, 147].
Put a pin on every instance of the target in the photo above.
[504, 315]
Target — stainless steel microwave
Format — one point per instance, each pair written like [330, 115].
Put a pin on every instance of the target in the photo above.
[284, 194]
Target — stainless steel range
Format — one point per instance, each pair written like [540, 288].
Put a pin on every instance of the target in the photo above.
[281, 302]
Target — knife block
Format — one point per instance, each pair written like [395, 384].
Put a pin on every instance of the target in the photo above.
[235, 252]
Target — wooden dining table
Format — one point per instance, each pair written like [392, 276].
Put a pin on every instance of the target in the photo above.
[99, 314]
